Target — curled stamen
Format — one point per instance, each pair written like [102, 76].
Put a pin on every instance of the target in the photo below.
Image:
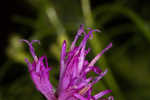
[80, 31]
[32, 51]
[33, 41]
[91, 31]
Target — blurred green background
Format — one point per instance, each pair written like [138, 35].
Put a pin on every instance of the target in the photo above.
[125, 23]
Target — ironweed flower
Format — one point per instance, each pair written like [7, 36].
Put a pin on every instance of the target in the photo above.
[73, 83]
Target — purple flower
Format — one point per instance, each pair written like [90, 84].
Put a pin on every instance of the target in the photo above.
[73, 81]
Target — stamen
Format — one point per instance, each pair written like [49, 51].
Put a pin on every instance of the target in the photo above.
[31, 48]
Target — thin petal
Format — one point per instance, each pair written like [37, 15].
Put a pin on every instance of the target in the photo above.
[85, 82]
[38, 65]
[79, 96]
[29, 64]
[99, 77]
[96, 69]
[80, 31]
[99, 55]
[81, 59]
[102, 93]
[91, 31]
[62, 60]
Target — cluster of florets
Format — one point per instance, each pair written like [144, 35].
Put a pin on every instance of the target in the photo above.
[73, 81]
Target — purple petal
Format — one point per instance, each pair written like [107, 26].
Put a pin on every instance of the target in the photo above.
[79, 96]
[102, 93]
[62, 60]
[100, 76]
[80, 31]
[110, 98]
[81, 59]
[84, 83]
[99, 55]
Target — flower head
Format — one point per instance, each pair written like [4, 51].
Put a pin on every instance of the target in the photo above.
[73, 83]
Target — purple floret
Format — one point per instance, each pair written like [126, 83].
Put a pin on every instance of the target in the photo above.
[73, 81]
